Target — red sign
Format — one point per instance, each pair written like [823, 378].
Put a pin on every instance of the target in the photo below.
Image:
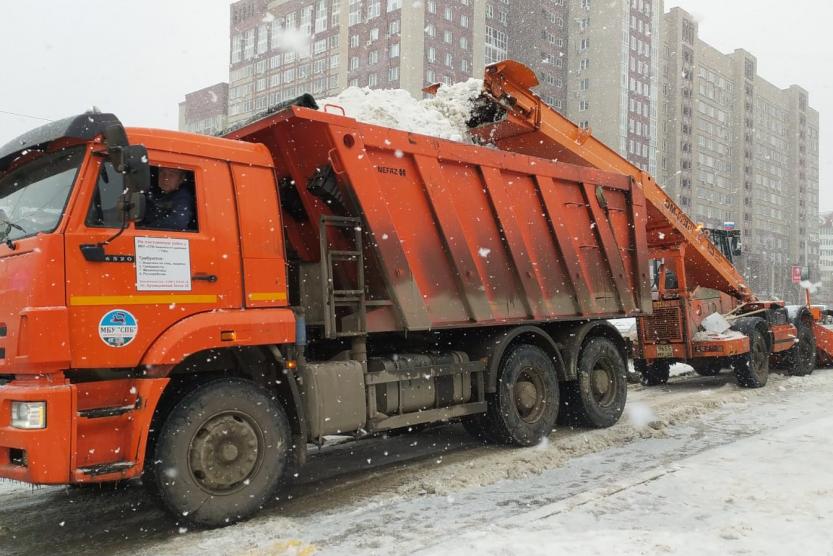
[796, 275]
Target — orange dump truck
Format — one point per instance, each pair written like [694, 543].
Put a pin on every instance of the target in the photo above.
[308, 275]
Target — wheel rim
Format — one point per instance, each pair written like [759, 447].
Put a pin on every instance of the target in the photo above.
[225, 452]
[529, 394]
[603, 383]
[759, 357]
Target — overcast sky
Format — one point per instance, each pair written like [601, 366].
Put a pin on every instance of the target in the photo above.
[138, 59]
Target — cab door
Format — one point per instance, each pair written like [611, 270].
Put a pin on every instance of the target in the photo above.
[148, 278]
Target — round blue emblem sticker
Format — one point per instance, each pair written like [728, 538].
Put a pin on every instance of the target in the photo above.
[117, 328]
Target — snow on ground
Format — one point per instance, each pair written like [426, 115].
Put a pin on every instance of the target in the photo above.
[696, 460]
[443, 115]
[771, 493]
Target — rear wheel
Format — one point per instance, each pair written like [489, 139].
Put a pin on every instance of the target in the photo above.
[752, 369]
[597, 398]
[656, 373]
[220, 454]
[525, 406]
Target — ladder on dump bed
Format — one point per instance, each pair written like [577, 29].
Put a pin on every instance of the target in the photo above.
[345, 310]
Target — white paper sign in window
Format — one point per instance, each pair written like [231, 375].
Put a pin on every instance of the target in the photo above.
[162, 264]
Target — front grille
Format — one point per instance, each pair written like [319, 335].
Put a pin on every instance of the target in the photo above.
[666, 324]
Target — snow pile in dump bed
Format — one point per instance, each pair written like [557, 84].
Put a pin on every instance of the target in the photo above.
[443, 115]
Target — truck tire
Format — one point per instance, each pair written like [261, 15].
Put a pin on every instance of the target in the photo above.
[597, 398]
[800, 360]
[525, 407]
[654, 374]
[752, 369]
[220, 454]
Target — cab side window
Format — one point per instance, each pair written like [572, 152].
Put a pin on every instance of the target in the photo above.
[171, 201]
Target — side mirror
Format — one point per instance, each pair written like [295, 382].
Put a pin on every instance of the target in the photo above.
[132, 163]
[135, 168]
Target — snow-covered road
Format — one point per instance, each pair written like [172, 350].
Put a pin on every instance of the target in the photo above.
[699, 466]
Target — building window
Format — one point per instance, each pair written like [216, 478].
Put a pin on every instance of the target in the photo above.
[354, 13]
[496, 44]
[394, 51]
[374, 8]
[321, 16]
[262, 39]
[335, 12]
[249, 45]
[236, 48]
[393, 73]
[583, 106]
[394, 5]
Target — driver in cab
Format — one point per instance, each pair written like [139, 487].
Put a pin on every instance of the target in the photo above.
[171, 203]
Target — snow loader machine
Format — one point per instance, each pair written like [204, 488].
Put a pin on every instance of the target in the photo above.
[703, 312]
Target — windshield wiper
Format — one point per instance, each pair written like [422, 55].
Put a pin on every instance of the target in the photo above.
[6, 227]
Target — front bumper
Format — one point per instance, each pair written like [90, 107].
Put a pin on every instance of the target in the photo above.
[95, 431]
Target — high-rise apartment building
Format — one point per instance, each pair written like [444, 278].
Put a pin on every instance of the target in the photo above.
[536, 33]
[613, 60]
[205, 111]
[736, 148]
[825, 293]
[284, 48]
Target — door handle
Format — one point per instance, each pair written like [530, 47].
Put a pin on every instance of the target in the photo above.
[205, 277]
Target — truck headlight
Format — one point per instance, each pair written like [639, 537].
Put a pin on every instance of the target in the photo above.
[29, 415]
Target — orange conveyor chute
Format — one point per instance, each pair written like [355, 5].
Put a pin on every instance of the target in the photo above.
[521, 122]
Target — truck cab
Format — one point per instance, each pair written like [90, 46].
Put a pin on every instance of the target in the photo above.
[99, 303]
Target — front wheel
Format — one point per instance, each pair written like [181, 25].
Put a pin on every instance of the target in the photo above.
[220, 454]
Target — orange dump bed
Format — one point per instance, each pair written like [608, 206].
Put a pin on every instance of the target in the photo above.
[456, 234]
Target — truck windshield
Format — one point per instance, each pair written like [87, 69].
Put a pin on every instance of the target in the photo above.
[33, 196]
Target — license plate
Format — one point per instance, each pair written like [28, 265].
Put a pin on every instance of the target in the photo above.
[665, 352]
